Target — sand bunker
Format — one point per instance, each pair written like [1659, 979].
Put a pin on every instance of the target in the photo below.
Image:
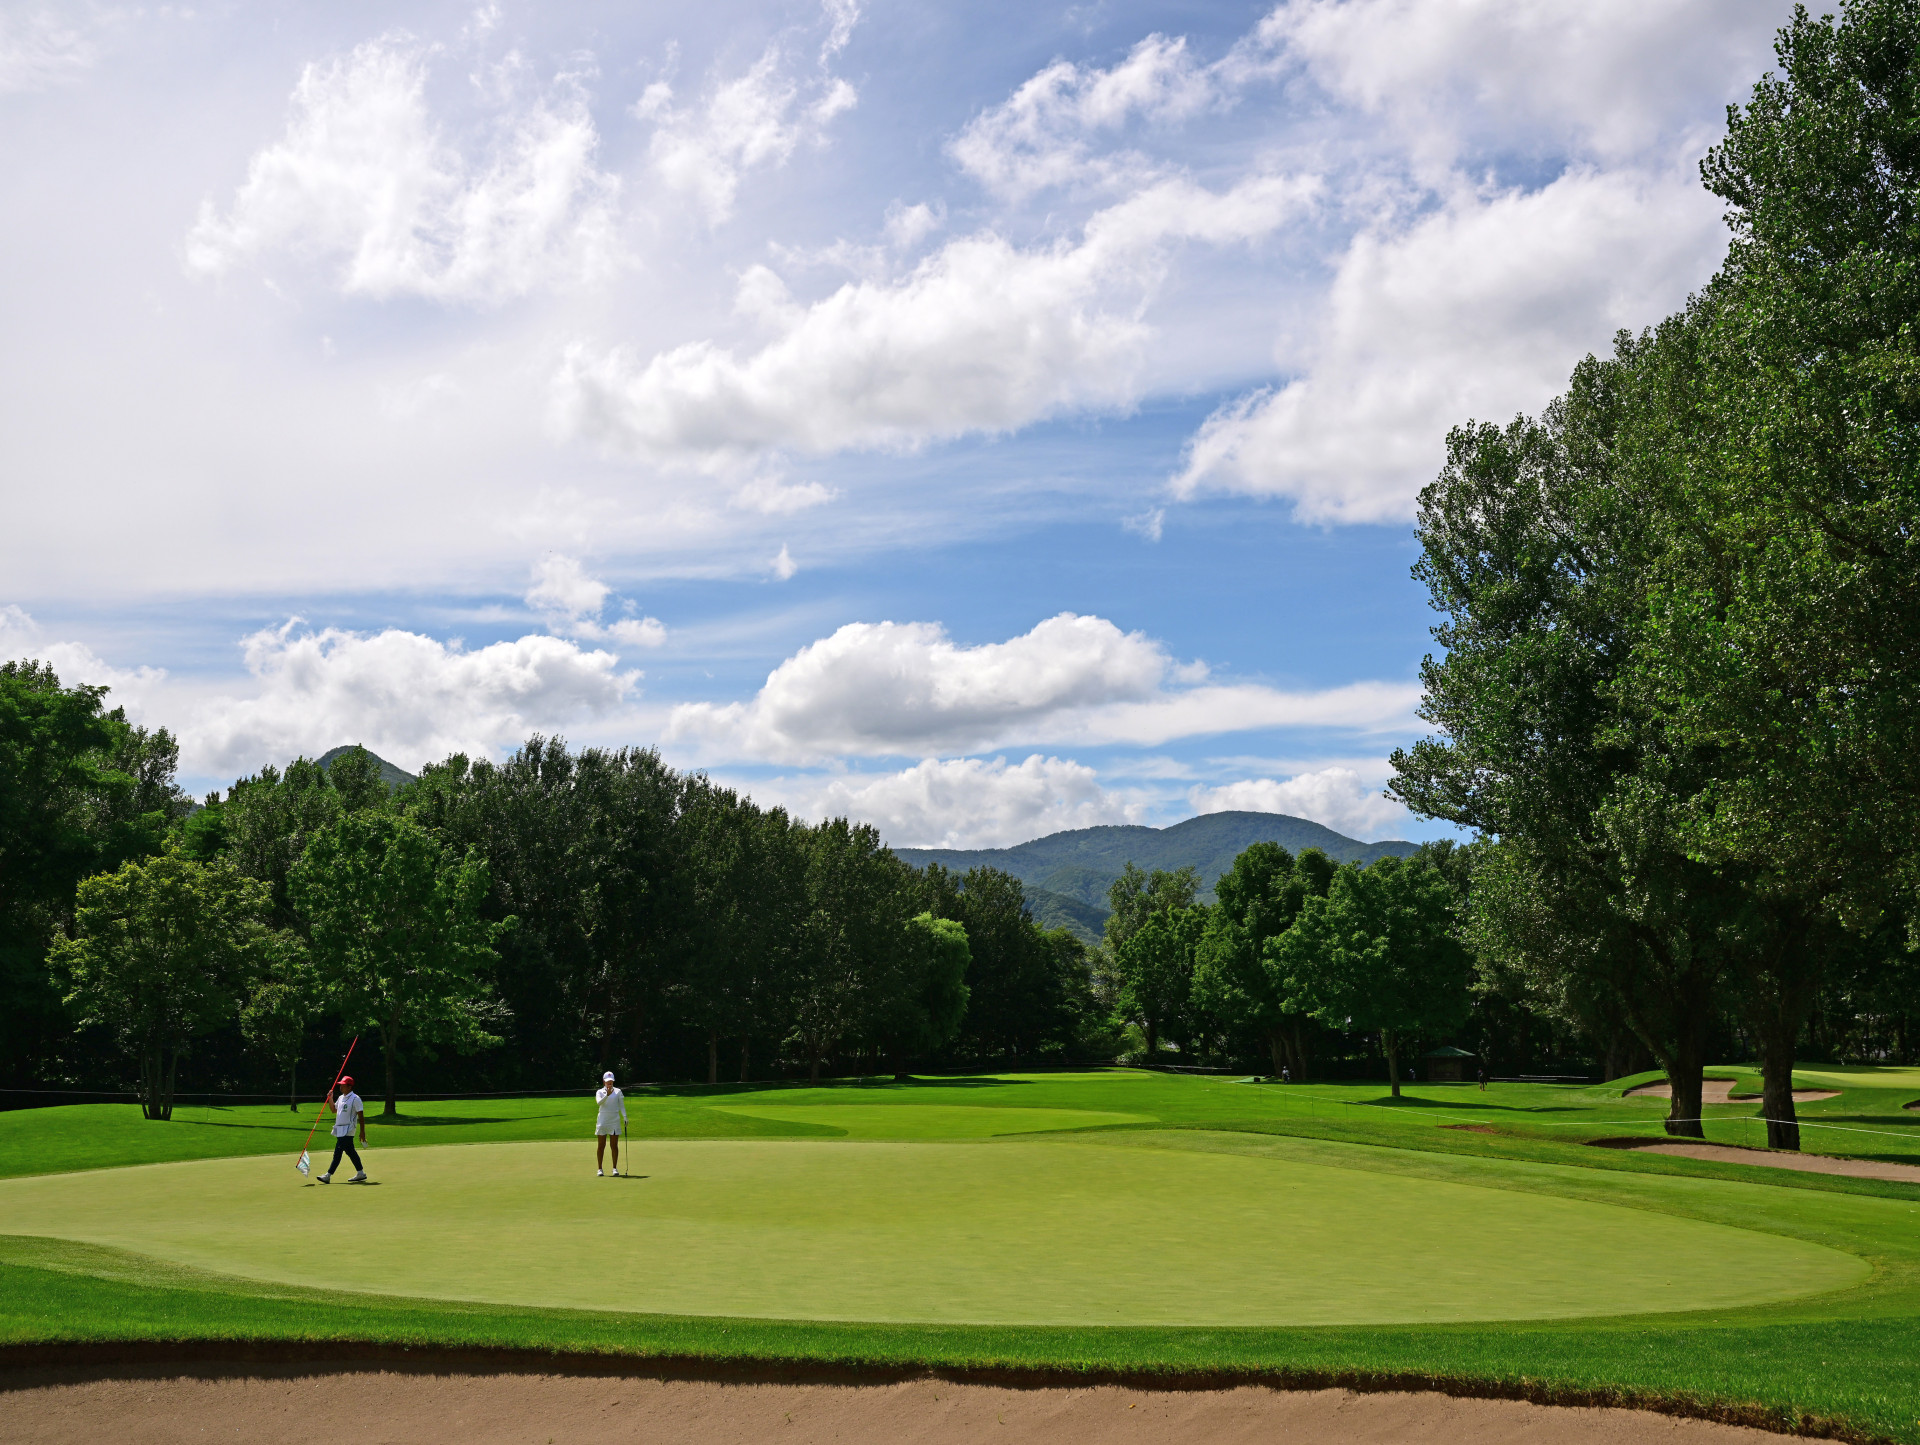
[1720, 1091]
[425, 1409]
[1784, 1159]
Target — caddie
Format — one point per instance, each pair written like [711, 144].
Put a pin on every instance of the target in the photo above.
[608, 1124]
[349, 1114]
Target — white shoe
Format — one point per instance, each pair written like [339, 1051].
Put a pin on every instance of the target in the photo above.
[600, 1173]
[326, 1179]
[616, 1174]
[360, 1178]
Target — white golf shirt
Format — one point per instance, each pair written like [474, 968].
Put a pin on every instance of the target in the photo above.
[346, 1110]
[613, 1111]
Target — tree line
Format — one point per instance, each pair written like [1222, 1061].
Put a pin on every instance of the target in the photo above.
[548, 916]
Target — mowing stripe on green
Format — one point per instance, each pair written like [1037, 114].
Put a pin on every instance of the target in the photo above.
[1011, 1232]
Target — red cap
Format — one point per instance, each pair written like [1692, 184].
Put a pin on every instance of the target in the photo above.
[346, 1081]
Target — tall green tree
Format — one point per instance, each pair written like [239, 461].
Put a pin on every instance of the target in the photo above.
[1154, 964]
[82, 791]
[160, 955]
[1238, 973]
[917, 996]
[1378, 953]
[398, 935]
[858, 895]
[283, 998]
[1537, 549]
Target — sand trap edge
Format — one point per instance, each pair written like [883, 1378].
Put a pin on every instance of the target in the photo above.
[31, 1366]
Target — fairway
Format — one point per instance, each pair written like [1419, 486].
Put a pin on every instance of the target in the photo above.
[1010, 1232]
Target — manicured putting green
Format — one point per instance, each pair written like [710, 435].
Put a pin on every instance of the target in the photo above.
[1019, 1231]
[931, 1121]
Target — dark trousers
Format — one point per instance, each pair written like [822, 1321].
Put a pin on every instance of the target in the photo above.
[343, 1144]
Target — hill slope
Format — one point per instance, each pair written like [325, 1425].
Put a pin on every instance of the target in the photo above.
[392, 776]
[1068, 874]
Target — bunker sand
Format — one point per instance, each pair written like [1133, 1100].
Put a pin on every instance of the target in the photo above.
[375, 1407]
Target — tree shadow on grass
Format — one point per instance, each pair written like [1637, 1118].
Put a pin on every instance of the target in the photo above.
[1474, 1105]
[433, 1121]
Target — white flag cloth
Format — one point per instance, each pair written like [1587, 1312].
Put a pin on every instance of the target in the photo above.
[305, 1164]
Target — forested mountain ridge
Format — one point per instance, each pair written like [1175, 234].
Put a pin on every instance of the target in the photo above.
[1067, 874]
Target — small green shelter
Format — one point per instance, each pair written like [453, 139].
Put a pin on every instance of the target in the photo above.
[1448, 1065]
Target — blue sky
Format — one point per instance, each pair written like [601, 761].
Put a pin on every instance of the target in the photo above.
[981, 420]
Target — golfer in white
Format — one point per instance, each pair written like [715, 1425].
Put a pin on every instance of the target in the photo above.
[612, 1119]
[348, 1114]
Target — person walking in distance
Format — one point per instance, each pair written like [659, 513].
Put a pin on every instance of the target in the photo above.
[1483, 1078]
[612, 1118]
[349, 1114]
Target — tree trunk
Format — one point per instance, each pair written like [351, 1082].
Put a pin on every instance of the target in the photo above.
[1392, 1047]
[713, 1056]
[1153, 1040]
[1277, 1042]
[1776, 1087]
[293, 1086]
[744, 1073]
[813, 1067]
[1302, 1060]
[389, 1042]
[900, 1074]
[1683, 1068]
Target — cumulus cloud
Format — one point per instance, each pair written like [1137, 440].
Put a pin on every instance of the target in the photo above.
[22, 639]
[758, 118]
[571, 602]
[1476, 311]
[365, 180]
[408, 697]
[981, 336]
[961, 802]
[1607, 82]
[1335, 797]
[886, 689]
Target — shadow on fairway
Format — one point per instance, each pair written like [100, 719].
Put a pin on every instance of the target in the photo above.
[430, 1121]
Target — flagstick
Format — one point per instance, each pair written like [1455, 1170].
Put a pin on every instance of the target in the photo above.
[329, 1099]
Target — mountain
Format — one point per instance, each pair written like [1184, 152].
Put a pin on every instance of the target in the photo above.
[390, 775]
[1067, 874]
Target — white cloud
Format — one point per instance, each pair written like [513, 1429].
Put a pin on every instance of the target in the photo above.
[961, 802]
[1335, 797]
[981, 336]
[1608, 81]
[570, 602]
[74, 663]
[366, 180]
[408, 697]
[1039, 136]
[1479, 310]
[755, 119]
[768, 495]
[40, 49]
[783, 564]
[886, 689]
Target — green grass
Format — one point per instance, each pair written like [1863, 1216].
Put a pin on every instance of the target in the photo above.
[1171, 1236]
[987, 1233]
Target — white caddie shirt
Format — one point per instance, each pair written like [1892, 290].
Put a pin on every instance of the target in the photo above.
[346, 1110]
[613, 1111]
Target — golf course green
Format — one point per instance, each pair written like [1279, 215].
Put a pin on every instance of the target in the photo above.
[1105, 1220]
[1004, 1232]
